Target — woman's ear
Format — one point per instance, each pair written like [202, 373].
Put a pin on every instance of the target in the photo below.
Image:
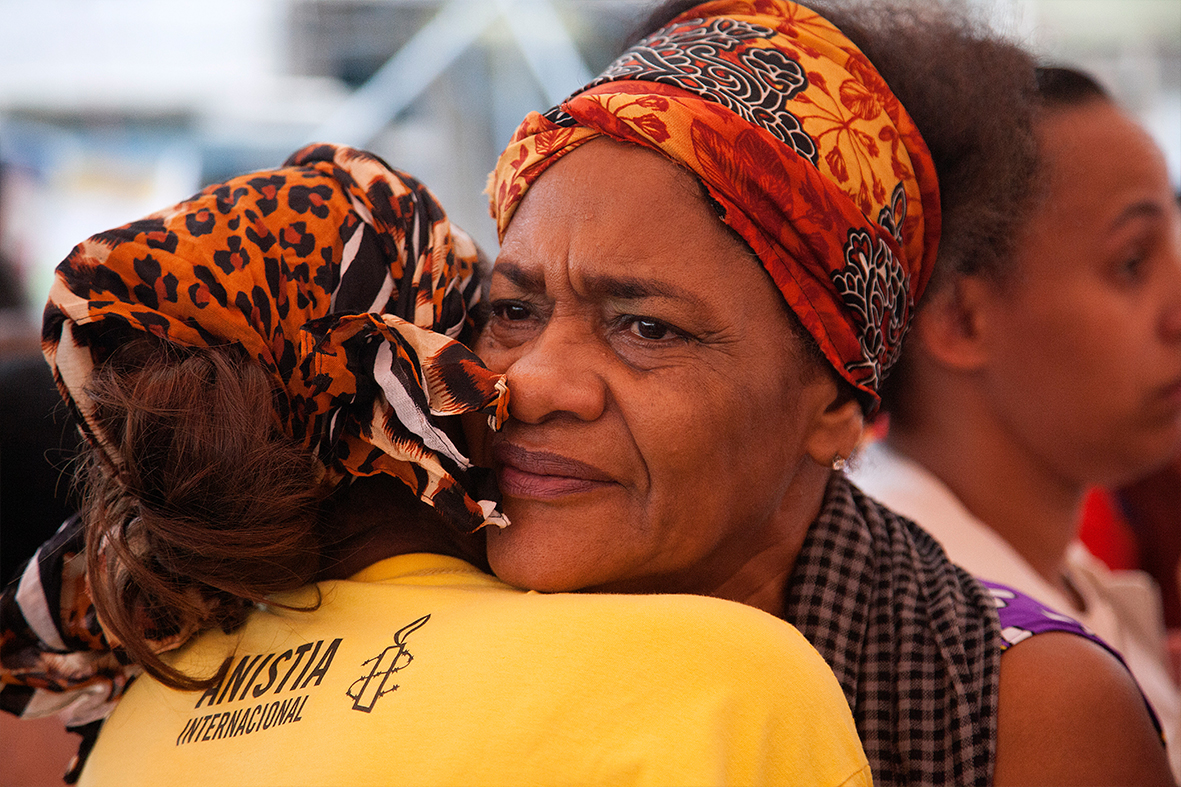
[951, 328]
[837, 425]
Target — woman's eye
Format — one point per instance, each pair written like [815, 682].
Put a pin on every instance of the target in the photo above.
[651, 330]
[512, 311]
[512, 323]
[1131, 269]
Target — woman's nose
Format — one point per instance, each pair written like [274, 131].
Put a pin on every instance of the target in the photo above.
[558, 374]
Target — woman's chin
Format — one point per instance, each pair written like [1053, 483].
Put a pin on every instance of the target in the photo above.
[544, 561]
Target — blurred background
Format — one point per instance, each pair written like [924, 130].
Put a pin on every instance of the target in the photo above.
[112, 108]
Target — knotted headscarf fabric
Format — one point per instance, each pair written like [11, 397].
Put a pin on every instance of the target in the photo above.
[342, 277]
[804, 150]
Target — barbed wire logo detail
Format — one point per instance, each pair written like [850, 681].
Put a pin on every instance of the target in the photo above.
[366, 690]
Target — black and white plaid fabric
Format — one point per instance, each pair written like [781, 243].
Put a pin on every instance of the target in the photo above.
[913, 639]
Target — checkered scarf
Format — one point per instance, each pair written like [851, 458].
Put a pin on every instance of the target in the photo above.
[913, 639]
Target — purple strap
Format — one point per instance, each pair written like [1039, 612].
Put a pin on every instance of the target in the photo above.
[1023, 616]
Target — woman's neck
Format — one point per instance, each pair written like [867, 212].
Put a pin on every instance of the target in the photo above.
[753, 569]
[1001, 483]
[378, 517]
[760, 578]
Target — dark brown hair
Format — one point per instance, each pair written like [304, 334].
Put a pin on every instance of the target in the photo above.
[1059, 86]
[1056, 88]
[199, 506]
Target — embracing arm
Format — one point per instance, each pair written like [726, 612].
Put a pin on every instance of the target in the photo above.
[1071, 714]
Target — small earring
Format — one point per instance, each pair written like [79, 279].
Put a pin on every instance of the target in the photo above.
[839, 463]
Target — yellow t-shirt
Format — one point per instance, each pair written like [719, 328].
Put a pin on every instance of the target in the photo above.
[422, 670]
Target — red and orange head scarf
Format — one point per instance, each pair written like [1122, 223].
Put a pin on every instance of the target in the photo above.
[342, 277]
[807, 154]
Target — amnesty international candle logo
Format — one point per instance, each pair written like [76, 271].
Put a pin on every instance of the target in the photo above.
[366, 690]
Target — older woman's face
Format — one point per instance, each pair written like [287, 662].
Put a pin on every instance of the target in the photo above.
[661, 420]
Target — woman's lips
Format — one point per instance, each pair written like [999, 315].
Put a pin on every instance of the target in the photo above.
[540, 475]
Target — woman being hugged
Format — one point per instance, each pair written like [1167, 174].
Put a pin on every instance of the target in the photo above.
[710, 256]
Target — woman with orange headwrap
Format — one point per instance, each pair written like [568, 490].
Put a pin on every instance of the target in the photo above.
[278, 530]
[710, 256]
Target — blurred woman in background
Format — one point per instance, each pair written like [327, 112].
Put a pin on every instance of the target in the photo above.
[1033, 376]
[709, 258]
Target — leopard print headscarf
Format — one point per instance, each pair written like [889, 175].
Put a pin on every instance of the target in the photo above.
[342, 277]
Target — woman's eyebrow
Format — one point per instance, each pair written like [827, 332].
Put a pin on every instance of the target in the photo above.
[518, 276]
[1141, 209]
[625, 288]
[631, 288]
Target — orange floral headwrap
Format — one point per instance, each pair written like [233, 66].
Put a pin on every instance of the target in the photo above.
[806, 153]
[342, 277]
